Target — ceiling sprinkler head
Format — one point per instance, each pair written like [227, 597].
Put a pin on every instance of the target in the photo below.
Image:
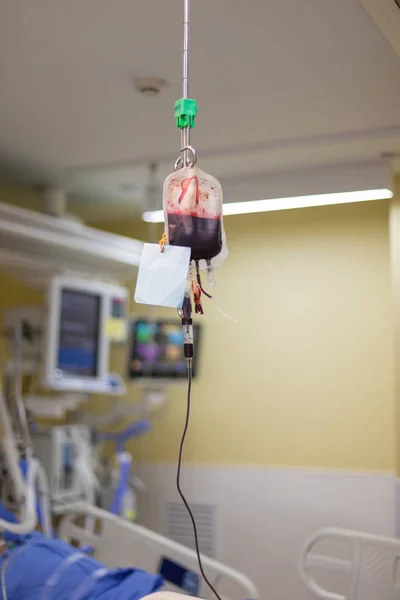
[149, 86]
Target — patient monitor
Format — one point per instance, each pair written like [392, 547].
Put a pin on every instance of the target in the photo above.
[66, 342]
[83, 318]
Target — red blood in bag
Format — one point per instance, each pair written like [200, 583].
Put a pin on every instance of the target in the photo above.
[202, 235]
[194, 216]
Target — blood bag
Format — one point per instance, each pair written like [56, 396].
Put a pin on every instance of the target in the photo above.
[192, 202]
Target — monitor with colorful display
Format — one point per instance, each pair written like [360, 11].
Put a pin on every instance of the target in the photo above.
[157, 350]
[84, 317]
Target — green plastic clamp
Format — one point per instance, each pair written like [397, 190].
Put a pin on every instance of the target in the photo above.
[185, 112]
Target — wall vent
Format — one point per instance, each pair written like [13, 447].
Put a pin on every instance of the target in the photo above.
[179, 526]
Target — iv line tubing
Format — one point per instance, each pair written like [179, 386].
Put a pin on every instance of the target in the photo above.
[3, 578]
[29, 518]
[18, 341]
[178, 479]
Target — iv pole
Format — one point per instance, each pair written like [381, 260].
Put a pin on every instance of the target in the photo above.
[185, 132]
[185, 108]
[185, 113]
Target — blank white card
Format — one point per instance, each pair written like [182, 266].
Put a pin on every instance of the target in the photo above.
[162, 275]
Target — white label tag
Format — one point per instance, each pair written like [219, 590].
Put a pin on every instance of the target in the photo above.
[162, 275]
[188, 334]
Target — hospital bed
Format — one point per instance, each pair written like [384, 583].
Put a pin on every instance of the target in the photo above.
[335, 564]
[119, 543]
[353, 565]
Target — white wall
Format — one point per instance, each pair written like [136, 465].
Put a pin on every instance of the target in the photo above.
[265, 514]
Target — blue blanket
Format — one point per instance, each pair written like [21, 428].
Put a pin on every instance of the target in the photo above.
[41, 569]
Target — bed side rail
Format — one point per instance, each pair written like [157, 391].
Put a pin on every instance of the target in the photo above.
[120, 543]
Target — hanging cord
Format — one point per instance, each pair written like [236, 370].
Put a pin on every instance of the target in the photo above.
[178, 479]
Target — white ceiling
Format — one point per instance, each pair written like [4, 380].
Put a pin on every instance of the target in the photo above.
[281, 85]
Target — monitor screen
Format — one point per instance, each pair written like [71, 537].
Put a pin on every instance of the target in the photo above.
[79, 333]
[157, 350]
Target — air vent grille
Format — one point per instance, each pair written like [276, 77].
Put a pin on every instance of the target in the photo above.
[179, 526]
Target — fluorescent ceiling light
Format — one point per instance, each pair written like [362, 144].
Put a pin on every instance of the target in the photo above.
[257, 206]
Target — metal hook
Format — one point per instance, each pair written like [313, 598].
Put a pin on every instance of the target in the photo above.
[191, 161]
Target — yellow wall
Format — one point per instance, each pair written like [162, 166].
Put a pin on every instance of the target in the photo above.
[13, 293]
[306, 377]
[395, 280]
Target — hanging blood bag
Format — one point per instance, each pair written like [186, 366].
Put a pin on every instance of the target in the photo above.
[192, 202]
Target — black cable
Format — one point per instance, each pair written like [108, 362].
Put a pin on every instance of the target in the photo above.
[178, 481]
